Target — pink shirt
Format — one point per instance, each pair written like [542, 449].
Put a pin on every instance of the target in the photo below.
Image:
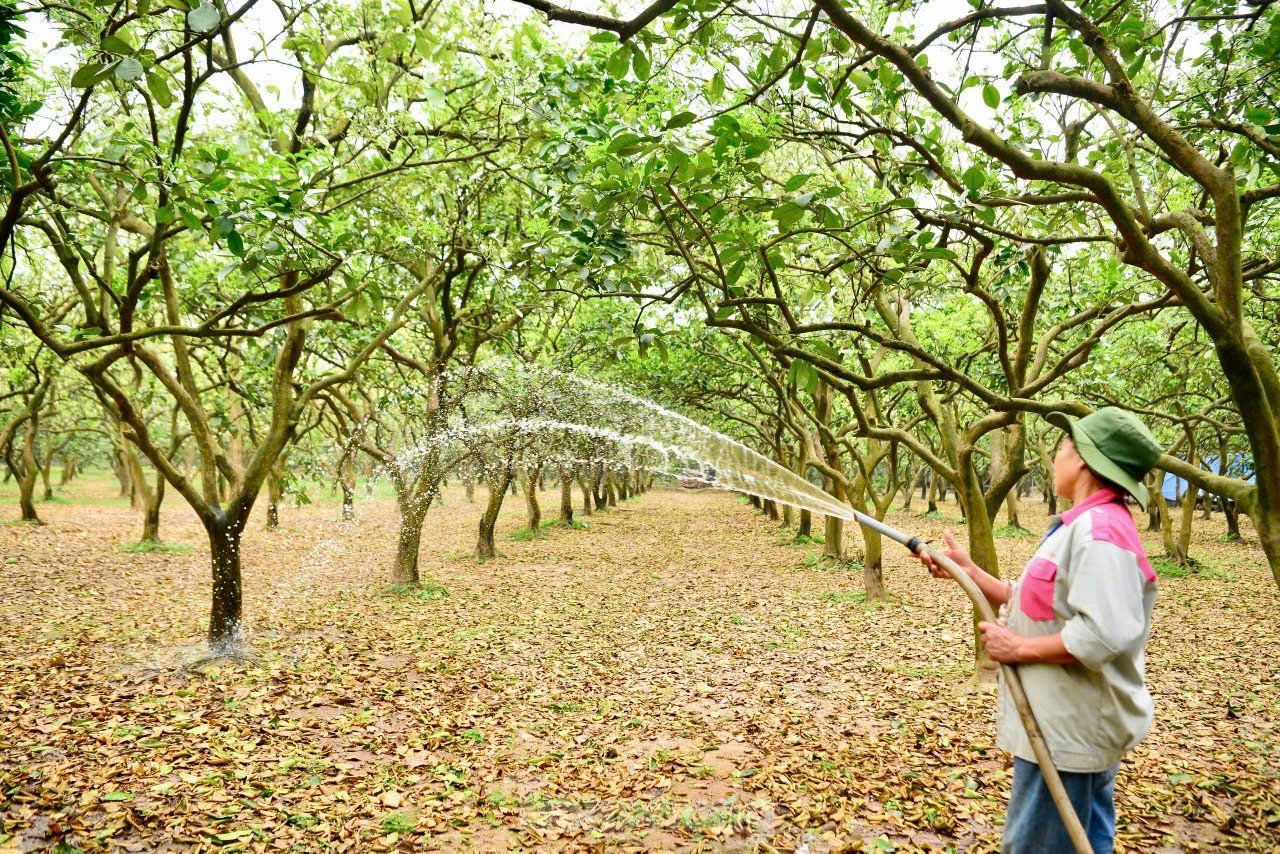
[1090, 580]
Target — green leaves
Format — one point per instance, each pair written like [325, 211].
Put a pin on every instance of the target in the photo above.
[679, 120]
[990, 96]
[618, 63]
[639, 62]
[627, 143]
[116, 44]
[204, 18]
[715, 87]
[1258, 115]
[361, 307]
[159, 89]
[129, 69]
[795, 182]
[804, 376]
[91, 74]
[629, 57]
[974, 178]
[788, 214]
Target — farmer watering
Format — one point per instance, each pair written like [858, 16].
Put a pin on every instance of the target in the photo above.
[1076, 626]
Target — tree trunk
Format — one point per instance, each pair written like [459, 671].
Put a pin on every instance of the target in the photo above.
[908, 493]
[348, 501]
[1188, 519]
[408, 541]
[755, 501]
[131, 470]
[598, 489]
[27, 477]
[275, 488]
[566, 498]
[347, 483]
[151, 512]
[610, 491]
[873, 567]
[933, 493]
[1167, 539]
[833, 536]
[833, 545]
[1011, 509]
[121, 473]
[1231, 511]
[471, 491]
[226, 626]
[68, 469]
[873, 546]
[587, 497]
[982, 548]
[485, 546]
[534, 511]
[46, 472]
[771, 510]
[805, 528]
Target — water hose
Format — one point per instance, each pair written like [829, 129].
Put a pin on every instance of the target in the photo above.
[1012, 681]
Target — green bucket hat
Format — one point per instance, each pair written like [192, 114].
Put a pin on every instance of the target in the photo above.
[1115, 445]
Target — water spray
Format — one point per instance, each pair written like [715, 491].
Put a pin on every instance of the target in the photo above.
[563, 419]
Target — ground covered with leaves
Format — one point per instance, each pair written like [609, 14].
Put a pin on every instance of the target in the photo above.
[675, 674]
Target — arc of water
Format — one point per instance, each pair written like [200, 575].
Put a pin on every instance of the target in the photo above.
[676, 437]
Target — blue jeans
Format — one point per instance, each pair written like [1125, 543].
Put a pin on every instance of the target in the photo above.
[1033, 825]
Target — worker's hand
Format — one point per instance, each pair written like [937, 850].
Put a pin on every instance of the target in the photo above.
[1002, 644]
[954, 551]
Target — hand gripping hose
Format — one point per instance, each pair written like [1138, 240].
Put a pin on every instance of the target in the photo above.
[1012, 682]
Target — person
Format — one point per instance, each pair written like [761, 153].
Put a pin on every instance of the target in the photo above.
[1077, 624]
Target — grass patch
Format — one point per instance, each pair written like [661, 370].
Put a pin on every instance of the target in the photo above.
[1012, 532]
[917, 671]
[155, 547]
[560, 523]
[818, 560]
[1167, 567]
[425, 591]
[936, 515]
[526, 534]
[398, 822]
[841, 597]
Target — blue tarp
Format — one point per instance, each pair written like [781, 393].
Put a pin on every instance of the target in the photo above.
[1240, 466]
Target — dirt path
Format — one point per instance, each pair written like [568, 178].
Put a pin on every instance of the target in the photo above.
[674, 675]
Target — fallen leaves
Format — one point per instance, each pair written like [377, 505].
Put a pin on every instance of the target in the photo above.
[671, 676]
